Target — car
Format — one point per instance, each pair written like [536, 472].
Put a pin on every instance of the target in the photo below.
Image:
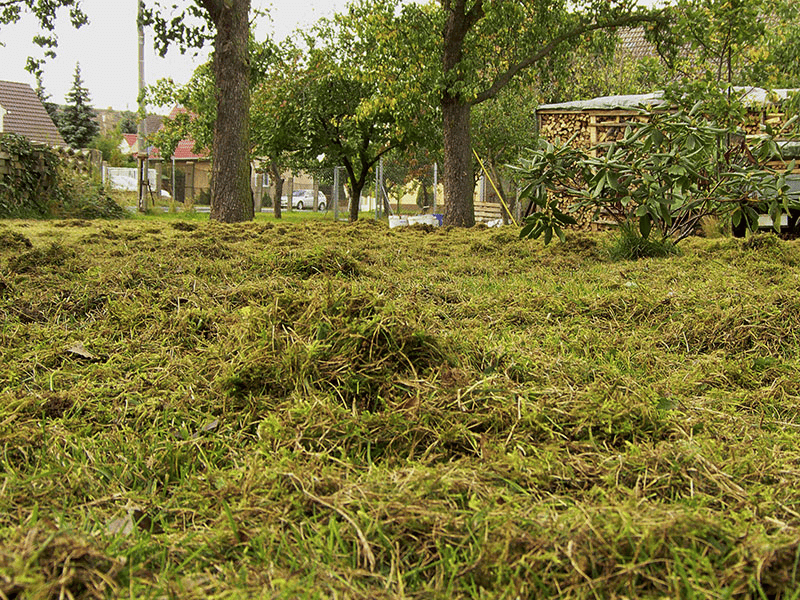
[305, 199]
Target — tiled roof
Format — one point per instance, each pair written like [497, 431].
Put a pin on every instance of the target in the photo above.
[184, 151]
[26, 115]
[633, 43]
[131, 139]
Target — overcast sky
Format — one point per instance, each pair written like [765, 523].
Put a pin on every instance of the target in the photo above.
[107, 49]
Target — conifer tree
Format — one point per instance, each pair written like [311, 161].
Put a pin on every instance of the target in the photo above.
[77, 120]
[52, 108]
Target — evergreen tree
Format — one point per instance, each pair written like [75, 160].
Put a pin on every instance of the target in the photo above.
[77, 121]
[53, 109]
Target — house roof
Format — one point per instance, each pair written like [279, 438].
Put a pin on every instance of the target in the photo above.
[153, 123]
[26, 115]
[631, 41]
[184, 151]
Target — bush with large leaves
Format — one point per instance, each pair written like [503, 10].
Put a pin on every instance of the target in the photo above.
[668, 172]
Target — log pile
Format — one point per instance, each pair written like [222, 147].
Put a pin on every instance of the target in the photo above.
[563, 126]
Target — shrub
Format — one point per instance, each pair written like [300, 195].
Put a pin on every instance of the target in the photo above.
[668, 173]
[42, 187]
[27, 190]
[82, 198]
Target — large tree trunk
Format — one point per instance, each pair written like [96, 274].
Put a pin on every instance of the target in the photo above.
[457, 176]
[231, 200]
[459, 209]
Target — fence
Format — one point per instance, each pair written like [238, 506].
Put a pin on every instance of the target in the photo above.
[83, 162]
[124, 178]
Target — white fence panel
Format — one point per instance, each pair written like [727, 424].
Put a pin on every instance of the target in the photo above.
[124, 178]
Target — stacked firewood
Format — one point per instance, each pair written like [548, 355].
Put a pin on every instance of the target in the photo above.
[563, 126]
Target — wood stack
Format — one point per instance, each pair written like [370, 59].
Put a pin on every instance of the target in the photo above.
[564, 125]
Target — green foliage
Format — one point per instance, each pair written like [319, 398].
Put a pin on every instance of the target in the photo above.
[28, 191]
[631, 244]
[195, 117]
[128, 123]
[667, 173]
[82, 198]
[108, 143]
[42, 188]
[742, 42]
[499, 141]
[53, 109]
[338, 100]
[76, 122]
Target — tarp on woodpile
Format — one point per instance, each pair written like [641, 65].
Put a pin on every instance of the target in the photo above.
[751, 96]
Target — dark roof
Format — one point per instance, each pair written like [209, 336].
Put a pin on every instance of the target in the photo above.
[25, 114]
[153, 123]
[631, 41]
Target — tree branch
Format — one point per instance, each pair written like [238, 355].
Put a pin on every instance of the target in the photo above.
[504, 78]
[215, 8]
[474, 15]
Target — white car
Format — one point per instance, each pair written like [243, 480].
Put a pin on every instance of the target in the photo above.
[305, 199]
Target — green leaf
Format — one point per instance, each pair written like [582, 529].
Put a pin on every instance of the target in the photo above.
[645, 225]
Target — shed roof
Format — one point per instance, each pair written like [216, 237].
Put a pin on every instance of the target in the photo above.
[26, 115]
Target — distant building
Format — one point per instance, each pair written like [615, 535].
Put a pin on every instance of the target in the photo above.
[187, 174]
[22, 112]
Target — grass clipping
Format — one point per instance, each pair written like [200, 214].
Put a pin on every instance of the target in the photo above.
[316, 409]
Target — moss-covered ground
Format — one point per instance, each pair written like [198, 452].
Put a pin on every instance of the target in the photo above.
[327, 410]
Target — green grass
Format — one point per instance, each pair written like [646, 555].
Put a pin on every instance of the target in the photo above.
[315, 409]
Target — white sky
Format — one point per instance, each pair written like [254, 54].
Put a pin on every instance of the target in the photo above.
[107, 49]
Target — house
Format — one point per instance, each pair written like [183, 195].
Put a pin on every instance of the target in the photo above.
[187, 174]
[129, 146]
[22, 112]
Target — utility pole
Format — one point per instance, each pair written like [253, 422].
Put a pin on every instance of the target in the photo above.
[141, 145]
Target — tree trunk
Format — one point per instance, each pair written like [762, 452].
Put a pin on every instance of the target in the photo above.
[231, 200]
[459, 209]
[355, 199]
[277, 186]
